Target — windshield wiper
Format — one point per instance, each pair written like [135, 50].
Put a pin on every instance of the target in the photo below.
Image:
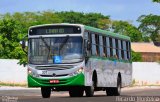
[45, 43]
[46, 46]
[63, 43]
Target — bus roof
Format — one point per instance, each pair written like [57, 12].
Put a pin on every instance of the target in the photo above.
[108, 33]
[104, 32]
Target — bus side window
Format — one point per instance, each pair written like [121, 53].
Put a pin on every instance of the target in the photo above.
[86, 35]
[90, 41]
[128, 50]
[122, 50]
[119, 49]
[101, 46]
[125, 52]
[114, 48]
[111, 47]
[108, 46]
[93, 44]
[104, 47]
[97, 44]
[129, 47]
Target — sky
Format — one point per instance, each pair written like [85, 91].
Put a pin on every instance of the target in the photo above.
[127, 10]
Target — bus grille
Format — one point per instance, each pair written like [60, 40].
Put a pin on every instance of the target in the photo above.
[60, 67]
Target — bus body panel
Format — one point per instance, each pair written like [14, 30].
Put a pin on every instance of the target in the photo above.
[107, 72]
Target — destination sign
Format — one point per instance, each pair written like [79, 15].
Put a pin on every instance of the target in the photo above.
[47, 30]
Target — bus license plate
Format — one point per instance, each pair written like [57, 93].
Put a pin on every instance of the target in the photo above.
[54, 81]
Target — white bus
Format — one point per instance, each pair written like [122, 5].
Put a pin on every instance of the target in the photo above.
[78, 59]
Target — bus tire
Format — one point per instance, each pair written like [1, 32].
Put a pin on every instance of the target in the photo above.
[110, 91]
[89, 90]
[46, 92]
[117, 90]
[76, 92]
[114, 91]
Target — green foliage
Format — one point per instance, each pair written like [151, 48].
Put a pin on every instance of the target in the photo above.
[150, 26]
[90, 19]
[158, 1]
[123, 27]
[104, 24]
[9, 39]
[136, 57]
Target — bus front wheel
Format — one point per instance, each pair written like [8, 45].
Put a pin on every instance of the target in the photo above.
[89, 90]
[76, 92]
[46, 92]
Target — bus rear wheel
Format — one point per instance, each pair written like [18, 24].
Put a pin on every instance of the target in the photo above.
[46, 92]
[116, 90]
[76, 92]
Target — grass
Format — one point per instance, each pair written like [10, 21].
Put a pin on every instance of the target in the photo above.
[13, 84]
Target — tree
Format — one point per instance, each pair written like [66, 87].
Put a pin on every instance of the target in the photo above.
[90, 19]
[136, 57]
[105, 24]
[123, 27]
[71, 17]
[150, 26]
[10, 36]
[158, 1]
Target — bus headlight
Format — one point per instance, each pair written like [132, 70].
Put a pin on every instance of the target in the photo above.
[30, 72]
[80, 70]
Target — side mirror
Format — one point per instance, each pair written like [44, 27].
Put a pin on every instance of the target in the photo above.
[88, 45]
[23, 44]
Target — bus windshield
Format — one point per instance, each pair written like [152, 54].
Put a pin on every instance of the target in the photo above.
[55, 50]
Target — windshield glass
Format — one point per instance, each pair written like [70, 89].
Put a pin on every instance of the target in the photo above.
[55, 50]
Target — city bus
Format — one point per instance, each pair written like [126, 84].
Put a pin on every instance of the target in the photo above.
[78, 59]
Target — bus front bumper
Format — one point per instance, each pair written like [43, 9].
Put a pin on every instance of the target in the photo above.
[77, 80]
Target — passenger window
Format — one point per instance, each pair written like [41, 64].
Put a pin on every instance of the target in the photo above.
[111, 47]
[93, 45]
[104, 47]
[122, 50]
[101, 46]
[117, 48]
[108, 46]
[97, 44]
[125, 52]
